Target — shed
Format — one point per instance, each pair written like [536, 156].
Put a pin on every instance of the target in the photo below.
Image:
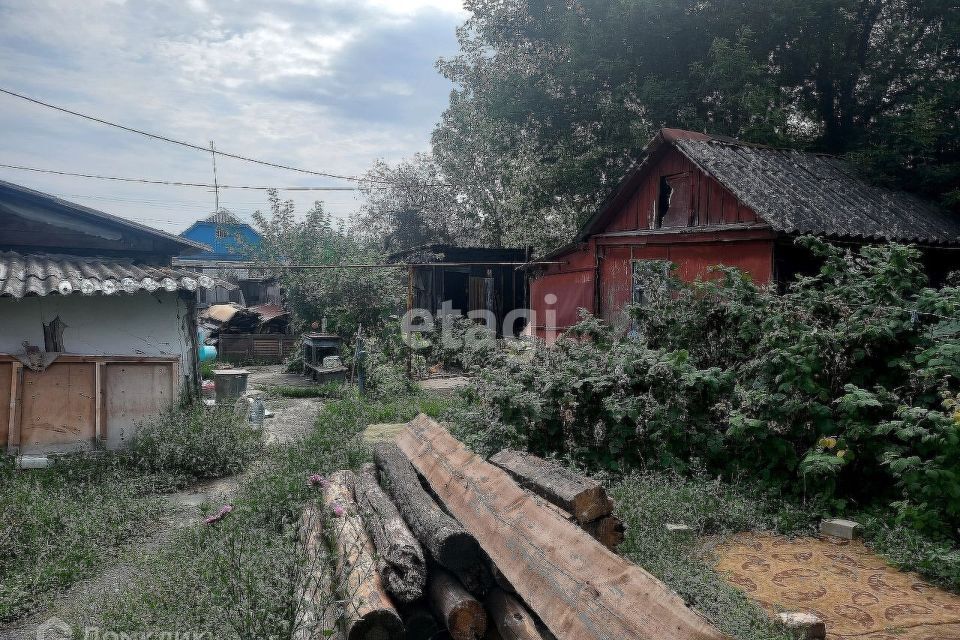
[699, 201]
[447, 278]
[98, 329]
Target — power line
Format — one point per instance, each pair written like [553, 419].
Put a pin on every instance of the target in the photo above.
[173, 183]
[190, 145]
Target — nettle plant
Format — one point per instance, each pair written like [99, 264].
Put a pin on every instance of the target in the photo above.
[843, 389]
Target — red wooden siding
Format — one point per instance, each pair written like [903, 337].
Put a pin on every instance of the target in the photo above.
[685, 237]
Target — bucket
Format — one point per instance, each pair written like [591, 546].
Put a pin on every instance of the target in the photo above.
[229, 384]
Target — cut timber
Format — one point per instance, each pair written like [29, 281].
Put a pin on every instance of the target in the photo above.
[368, 613]
[449, 544]
[463, 615]
[318, 612]
[578, 588]
[511, 618]
[400, 559]
[586, 499]
[608, 531]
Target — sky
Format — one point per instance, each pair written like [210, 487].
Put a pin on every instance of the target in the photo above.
[328, 85]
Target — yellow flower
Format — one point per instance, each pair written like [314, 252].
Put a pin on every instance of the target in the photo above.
[841, 453]
[956, 417]
[827, 443]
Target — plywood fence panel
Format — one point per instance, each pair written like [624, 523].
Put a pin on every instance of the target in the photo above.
[132, 393]
[58, 407]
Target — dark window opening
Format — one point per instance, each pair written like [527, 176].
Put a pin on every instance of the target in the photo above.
[673, 201]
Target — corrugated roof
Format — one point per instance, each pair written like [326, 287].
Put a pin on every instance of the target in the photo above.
[24, 275]
[799, 192]
[53, 203]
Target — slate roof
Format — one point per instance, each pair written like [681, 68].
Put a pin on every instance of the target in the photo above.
[799, 192]
[24, 275]
[793, 192]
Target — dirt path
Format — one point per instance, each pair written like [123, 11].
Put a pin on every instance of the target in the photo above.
[292, 419]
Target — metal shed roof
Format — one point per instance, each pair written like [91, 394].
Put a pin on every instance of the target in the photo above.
[24, 275]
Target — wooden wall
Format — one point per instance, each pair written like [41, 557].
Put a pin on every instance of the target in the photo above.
[82, 402]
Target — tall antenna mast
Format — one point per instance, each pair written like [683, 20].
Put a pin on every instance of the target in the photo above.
[216, 186]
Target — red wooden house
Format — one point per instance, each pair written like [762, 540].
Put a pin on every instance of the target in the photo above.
[699, 201]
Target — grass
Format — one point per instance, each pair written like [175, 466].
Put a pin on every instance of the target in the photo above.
[242, 573]
[647, 501]
[328, 390]
[61, 524]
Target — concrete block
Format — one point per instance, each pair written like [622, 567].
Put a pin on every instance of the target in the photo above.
[34, 462]
[840, 528]
[803, 626]
[677, 528]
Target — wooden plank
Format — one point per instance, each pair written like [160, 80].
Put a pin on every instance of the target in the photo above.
[579, 589]
[5, 357]
[58, 407]
[6, 406]
[586, 499]
[134, 392]
[98, 434]
[16, 409]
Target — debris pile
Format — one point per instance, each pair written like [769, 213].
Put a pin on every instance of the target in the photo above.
[234, 318]
[434, 542]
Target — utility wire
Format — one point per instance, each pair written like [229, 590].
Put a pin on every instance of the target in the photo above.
[190, 145]
[171, 182]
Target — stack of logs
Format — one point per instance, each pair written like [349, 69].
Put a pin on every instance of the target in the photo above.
[433, 542]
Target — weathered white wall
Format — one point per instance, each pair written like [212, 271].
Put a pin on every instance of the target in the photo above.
[146, 324]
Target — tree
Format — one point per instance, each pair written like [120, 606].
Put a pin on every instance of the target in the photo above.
[345, 297]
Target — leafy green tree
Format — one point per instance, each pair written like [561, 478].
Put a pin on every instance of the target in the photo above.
[345, 297]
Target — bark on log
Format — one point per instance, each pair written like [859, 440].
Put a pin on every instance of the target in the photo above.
[368, 612]
[578, 588]
[448, 543]
[319, 610]
[586, 499]
[511, 618]
[461, 613]
[608, 531]
[400, 559]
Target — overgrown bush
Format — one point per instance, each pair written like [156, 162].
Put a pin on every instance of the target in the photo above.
[195, 442]
[843, 388]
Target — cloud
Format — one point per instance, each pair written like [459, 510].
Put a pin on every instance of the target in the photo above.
[326, 84]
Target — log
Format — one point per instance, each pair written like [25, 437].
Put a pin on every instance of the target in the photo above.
[477, 578]
[318, 612]
[577, 494]
[608, 531]
[419, 622]
[446, 540]
[461, 613]
[368, 612]
[511, 618]
[501, 580]
[400, 560]
[576, 586]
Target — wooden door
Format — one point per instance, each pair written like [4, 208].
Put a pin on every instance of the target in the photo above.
[58, 407]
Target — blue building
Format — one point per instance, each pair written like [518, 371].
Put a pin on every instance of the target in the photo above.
[230, 241]
[228, 237]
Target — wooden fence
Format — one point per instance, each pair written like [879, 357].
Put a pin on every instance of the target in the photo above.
[261, 348]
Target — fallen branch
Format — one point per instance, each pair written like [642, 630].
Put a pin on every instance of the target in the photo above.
[400, 559]
[368, 611]
[449, 544]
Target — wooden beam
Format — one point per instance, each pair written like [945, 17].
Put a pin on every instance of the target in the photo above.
[579, 589]
[99, 397]
[16, 409]
[575, 493]
[318, 610]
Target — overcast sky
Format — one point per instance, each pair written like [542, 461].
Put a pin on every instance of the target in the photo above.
[329, 85]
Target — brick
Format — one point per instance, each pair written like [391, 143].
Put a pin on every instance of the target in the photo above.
[803, 626]
[840, 528]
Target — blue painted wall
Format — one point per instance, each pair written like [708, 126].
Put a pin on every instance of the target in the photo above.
[226, 248]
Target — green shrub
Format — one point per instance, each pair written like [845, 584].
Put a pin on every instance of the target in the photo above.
[195, 441]
[842, 390]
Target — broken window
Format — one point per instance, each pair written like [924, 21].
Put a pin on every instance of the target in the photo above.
[673, 201]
